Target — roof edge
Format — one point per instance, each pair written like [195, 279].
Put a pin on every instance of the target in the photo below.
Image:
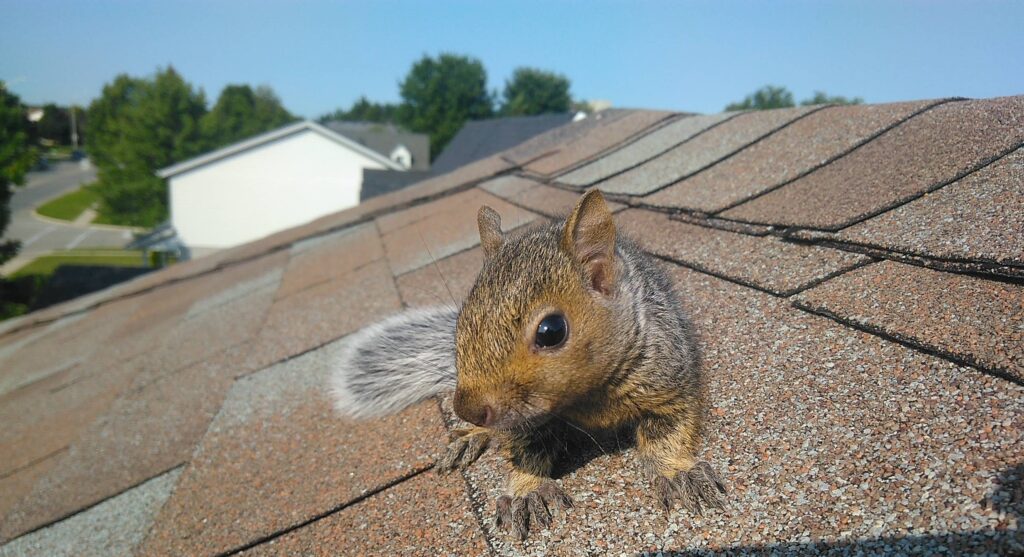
[274, 135]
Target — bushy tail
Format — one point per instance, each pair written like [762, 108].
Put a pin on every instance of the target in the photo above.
[396, 363]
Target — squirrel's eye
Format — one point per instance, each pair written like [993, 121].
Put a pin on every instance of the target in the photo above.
[552, 331]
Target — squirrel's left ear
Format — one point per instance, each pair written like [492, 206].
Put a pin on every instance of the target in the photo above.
[491, 238]
[589, 236]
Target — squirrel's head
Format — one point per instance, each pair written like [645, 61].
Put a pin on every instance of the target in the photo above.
[536, 334]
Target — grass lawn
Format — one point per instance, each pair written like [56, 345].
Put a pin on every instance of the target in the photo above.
[46, 264]
[70, 205]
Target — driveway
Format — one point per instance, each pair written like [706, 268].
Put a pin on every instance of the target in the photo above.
[39, 236]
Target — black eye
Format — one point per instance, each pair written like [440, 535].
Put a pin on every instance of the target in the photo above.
[551, 332]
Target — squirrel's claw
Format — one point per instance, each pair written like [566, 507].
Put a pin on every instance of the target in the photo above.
[464, 450]
[518, 513]
[697, 489]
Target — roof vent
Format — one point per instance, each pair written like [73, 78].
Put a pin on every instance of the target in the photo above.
[402, 156]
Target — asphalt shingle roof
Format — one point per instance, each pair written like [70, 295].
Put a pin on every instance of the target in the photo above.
[854, 272]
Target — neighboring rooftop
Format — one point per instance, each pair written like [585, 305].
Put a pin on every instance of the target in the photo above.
[482, 138]
[856, 274]
[385, 139]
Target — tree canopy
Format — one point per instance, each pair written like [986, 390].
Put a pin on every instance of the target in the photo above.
[771, 96]
[820, 97]
[16, 157]
[242, 112]
[533, 91]
[135, 128]
[440, 94]
[363, 110]
[765, 98]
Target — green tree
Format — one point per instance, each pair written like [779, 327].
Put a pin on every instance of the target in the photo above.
[137, 127]
[532, 91]
[16, 157]
[440, 94]
[820, 97]
[242, 112]
[765, 98]
[364, 110]
[55, 125]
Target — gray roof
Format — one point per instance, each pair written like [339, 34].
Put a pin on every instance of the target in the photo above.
[384, 138]
[480, 138]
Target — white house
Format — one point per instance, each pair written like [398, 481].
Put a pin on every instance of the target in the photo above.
[265, 184]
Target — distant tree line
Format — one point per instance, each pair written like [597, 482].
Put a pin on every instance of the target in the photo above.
[440, 94]
[772, 96]
[139, 125]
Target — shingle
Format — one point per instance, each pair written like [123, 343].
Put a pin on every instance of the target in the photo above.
[323, 313]
[78, 337]
[426, 515]
[550, 141]
[824, 435]
[145, 433]
[703, 150]
[643, 149]
[765, 262]
[794, 150]
[508, 186]
[925, 152]
[276, 455]
[597, 140]
[977, 218]
[16, 485]
[430, 232]
[546, 200]
[114, 527]
[971, 319]
[48, 415]
[444, 284]
[323, 258]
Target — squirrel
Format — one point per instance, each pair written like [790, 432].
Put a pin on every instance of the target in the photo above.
[568, 324]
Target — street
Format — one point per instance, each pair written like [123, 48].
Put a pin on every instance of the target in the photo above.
[40, 236]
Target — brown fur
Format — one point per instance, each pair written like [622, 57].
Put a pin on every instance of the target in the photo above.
[629, 358]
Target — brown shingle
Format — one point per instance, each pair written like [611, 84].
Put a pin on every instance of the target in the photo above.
[643, 149]
[703, 150]
[553, 140]
[971, 319]
[923, 153]
[419, 236]
[794, 150]
[426, 515]
[547, 200]
[145, 433]
[596, 141]
[323, 258]
[768, 263]
[16, 485]
[276, 455]
[447, 283]
[325, 312]
[48, 415]
[977, 218]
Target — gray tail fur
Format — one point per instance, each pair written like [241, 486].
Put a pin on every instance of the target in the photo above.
[398, 362]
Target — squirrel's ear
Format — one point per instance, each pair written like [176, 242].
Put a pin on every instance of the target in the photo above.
[491, 238]
[589, 236]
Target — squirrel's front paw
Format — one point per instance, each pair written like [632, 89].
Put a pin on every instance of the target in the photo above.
[518, 513]
[465, 449]
[697, 489]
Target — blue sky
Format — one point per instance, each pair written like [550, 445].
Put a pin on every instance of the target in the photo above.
[694, 56]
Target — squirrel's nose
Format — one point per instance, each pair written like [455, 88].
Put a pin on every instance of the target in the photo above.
[483, 415]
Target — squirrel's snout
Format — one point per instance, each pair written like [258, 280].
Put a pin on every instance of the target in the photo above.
[482, 415]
